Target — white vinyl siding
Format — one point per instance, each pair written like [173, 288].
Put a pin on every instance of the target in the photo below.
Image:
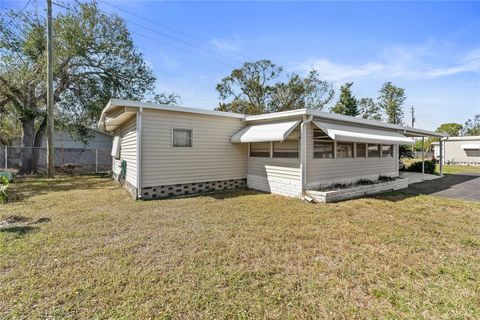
[211, 158]
[455, 153]
[128, 151]
[279, 176]
[323, 172]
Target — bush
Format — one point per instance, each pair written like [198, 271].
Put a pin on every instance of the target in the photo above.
[417, 166]
[3, 189]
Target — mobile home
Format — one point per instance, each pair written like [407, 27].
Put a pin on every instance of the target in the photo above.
[162, 150]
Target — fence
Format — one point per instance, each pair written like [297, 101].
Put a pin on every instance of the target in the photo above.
[67, 160]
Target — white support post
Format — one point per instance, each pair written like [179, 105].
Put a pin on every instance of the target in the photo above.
[6, 158]
[441, 157]
[423, 158]
[96, 160]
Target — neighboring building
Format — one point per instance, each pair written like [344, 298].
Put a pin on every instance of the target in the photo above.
[170, 150]
[459, 150]
[62, 139]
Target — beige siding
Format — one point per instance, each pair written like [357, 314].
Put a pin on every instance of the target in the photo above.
[213, 157]
[279, 176]
[322, 172]
[455, 153]
[128, 151]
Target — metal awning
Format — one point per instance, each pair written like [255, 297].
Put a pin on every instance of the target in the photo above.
[343, 132]
[471, 146]
[276, 131]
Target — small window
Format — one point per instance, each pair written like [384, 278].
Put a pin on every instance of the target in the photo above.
[344, 150]
[260, 149]
[323, 149]
[117, 142]
[361, 150]
[285, 149]
[182, 138]
[387, 151]
[373, 151]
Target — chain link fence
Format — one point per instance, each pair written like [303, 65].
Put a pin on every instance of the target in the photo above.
[67, 160]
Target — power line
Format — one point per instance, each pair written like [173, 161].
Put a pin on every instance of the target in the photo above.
[168, 27]
[166, 43]
[18, 14]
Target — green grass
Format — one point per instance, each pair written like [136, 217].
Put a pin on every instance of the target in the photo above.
[81, 249]
[459, 169]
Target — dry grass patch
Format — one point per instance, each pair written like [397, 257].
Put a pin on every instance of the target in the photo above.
[236, 255]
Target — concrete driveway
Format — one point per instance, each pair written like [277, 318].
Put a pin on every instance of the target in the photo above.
[465, 186]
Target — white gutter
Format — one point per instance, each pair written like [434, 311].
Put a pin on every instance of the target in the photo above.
[303, 152]
[139, 153]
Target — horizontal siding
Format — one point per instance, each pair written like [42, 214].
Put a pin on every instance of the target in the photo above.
[213, 157]
[321, 172]
[128, 151]
[279, 176]
[455, 153]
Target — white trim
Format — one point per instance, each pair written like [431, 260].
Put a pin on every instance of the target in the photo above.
[139, 152]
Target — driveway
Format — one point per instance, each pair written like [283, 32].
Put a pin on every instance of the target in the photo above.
[465, 186]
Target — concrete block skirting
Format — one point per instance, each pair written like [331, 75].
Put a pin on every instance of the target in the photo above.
[358, 191]
[160, 192]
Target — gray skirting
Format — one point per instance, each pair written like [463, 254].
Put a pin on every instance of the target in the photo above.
[192, 188]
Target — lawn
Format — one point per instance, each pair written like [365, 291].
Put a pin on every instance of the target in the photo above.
[80, 248]
[459, 169]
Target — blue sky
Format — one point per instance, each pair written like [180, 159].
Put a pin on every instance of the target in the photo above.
[432, 49]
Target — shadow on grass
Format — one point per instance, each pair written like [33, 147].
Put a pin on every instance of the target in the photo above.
[18, 230]
[26, 187]
[20, 225]
[218, 195]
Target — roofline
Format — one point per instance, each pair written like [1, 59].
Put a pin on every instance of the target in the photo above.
[464, 138]
[113, 103]
[349, 119]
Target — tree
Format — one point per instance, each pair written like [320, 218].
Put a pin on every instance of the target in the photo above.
[347, 104]
[94, 60]
[369, 109]
[249, 89]
[164, 98]
[391, 100]
[472, 126]
[452, 129]
[255, 89]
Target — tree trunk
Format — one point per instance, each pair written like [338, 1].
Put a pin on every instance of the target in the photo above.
[28, 137]
[38, 144]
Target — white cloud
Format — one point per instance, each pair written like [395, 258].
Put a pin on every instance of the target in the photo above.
[227, 44]
[421, 62]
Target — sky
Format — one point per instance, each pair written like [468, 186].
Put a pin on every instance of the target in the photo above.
[432, 49]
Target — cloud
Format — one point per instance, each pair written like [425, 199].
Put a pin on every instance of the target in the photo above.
[226, 44]
[426, 61]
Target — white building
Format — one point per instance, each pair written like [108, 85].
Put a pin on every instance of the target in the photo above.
[459, 150]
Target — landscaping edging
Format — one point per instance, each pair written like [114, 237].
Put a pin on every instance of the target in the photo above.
[356, 192]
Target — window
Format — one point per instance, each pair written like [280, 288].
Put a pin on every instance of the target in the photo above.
[322, 145]
[182, 138]
[260, 149]
[373, 151]
[387, 151]
[117, 142]
[285, 149]
[344, 150]
[361, 150]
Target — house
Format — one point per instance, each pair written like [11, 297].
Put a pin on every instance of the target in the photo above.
[459, 150]
[162, 150]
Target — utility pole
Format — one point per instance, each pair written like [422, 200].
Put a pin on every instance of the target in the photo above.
[50, 132]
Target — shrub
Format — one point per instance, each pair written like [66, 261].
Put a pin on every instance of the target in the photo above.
[386, 178]
[3, 189]
[417, 166]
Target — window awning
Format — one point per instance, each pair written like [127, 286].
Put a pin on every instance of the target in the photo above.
[471, 146]
[277, 131]
[364, 135]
